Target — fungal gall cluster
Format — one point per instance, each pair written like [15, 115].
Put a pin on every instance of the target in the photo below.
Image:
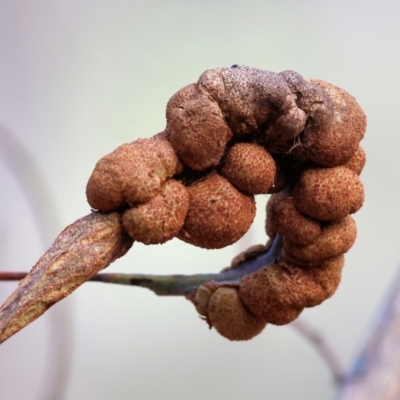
[236, 133]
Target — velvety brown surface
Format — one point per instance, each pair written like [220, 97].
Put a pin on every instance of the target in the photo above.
[131, 174]
[328, 193]
[231, 318]
[250, 168]
[218, 213]
[161, 218]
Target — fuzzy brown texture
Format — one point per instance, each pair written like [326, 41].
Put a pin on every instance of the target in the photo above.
[293, 226]
[161, 218]
[249, 97]
[250, 168]
[338, 144]
[287, 126]
[279, 286]
[328, 274]
[218, 215]
[196, 128]
[279, 182]
[131, 174]
[335, 239]
[328, 193]
[283, 315]
[201, 299]
[314, 102]
[357, 162]
[269, 226]
[231, 318]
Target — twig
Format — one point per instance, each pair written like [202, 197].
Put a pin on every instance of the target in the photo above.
[12, 276]
[185, 285]
[39, 199]
[323, 347]
[79, 252]
[376, 370]
[179, 285]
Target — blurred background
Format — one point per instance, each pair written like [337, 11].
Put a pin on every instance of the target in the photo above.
[78, 79]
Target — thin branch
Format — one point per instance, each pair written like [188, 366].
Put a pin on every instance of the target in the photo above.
[39, 199]
[376, 370]
[12, 276]
[33, 185]
[80, 251]
[322, 346]
[180, 285]
[186, 285]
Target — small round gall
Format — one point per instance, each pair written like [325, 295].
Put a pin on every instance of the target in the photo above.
[201, 299]
[336, 238]
[197, 129]
[328, 194]
[250, 168]
[336, 145]
[279, 286]
[218, 215]
[328, 274]
[131, 174]
[231, 318]
[282, 315]
[357, 162]
[161, 218]
[293, 226]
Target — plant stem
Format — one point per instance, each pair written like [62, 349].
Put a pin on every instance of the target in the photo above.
[181, 285]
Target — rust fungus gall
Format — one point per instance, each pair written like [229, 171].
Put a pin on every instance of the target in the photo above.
[336, 238]
[235, 133]
[328, 193]
[131, 174]
[250, 168]
[231, 318]
[338, 144]
[201, 299]
[328, 274]
[357, 162]
[279, 286]
[161, 218]
[287, 221]
[197, 129]
[218, 215]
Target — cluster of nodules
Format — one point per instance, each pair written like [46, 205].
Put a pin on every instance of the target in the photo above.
[236, 133]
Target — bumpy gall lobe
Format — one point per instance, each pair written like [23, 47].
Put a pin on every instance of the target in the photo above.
[218, 215]
[328, 193]
[161, 218]
[287, 221]
[231, 318]
[131, 174]
[250, 168]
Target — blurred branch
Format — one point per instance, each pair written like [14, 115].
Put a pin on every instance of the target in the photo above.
[79, 252]
[322, 345]
[32, 184]
[40, 201]
[12, 276]
[376, 371]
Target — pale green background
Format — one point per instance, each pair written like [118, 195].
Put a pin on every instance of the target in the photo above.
[79, 78]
